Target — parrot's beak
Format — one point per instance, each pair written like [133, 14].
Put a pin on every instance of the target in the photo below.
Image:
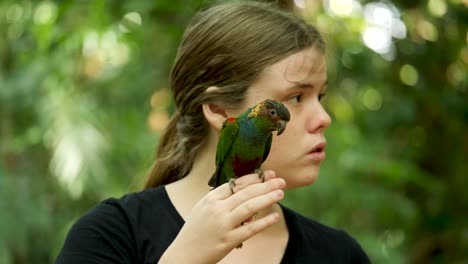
[281, 126]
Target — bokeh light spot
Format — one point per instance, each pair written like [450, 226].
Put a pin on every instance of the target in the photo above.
[300, 3]
[15, 31]
[157, 121]
[104, 53]
[160, 99]
[347, 60]
[393, 238]
[342, 109]
[46, 13]
[383, 23]
[14, 13]
[133, 17]
[455, 74]
[343, 8]
[408, 75]
[464, 55]
[437, 7]
[372, 99]
[427, 30]
[398, 29]
[379, 14]
[377, 39]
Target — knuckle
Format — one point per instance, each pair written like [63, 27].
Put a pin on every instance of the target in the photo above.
[217, 210]
[242, 182]
[213, 209]
[223, 244]
[252, 229]
[243, 195]
[208, 198]
[226, 242]
[249, 208]
[240, 185]
[247, 180]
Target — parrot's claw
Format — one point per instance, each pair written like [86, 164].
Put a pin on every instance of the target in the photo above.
[261, 174]
[232, 184]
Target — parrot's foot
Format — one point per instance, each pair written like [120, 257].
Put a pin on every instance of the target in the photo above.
[261, 174]
[232, 184]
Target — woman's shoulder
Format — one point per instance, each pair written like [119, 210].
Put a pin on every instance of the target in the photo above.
[145, 199]
[137, 210]
[124, 224]
[113, 208]
[309, 227]
[335, 244]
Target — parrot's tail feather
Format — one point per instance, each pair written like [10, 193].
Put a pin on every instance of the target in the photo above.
[213, 181]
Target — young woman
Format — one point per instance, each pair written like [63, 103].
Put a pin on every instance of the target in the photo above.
[231, 57]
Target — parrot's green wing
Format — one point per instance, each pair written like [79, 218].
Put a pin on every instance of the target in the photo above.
[267, 147]
[228, 134]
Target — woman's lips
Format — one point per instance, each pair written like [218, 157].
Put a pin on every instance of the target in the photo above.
[318, 156]
[318, 152]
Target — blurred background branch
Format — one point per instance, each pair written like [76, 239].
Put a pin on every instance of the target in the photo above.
[84, 95]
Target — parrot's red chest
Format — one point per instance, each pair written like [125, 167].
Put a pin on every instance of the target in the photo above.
[242, 167]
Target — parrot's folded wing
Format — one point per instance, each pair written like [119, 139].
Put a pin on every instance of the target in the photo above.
[226, 138]
[267, 147]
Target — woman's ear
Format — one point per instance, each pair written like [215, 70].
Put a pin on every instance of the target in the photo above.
[215, 115]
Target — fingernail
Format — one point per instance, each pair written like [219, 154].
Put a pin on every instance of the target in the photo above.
[281, 182]
[275, 216]
[279, 193]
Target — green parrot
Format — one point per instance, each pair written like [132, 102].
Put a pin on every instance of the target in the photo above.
[244, 142]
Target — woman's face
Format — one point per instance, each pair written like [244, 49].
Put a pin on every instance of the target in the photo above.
[298, 81]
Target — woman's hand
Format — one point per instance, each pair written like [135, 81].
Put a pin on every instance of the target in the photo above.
[214, 227]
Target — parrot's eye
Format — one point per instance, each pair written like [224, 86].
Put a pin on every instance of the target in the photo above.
[272, 112]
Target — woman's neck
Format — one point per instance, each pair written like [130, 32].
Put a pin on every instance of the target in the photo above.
[185, 193]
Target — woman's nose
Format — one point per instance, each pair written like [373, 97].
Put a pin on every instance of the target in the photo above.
[319, 119]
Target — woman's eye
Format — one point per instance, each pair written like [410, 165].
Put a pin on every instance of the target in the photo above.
[296, 99]
[321, 96]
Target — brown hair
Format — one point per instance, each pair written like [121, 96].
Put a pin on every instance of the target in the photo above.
[226, 46]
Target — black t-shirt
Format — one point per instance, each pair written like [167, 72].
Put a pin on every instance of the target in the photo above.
[139, 227]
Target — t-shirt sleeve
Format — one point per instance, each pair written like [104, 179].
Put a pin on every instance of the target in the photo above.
[103, 235]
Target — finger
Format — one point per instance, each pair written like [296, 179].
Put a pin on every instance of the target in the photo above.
[254, 190]
[252, 206]
[246, 231]
[224, 191]
[245, 181]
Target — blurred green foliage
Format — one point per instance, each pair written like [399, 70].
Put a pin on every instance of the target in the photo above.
[83, 98]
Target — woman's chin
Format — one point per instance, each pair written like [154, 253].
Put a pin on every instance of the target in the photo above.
[303, 181]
